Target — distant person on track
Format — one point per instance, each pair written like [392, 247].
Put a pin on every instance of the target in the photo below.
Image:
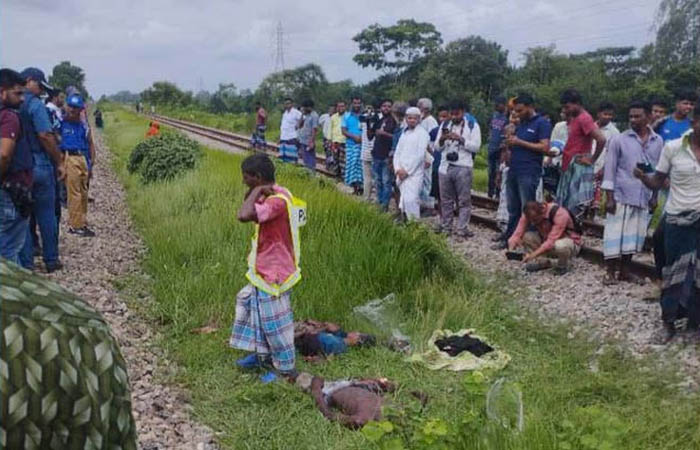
[353, 146]
[15, 168]
[556, 236]
[576, 189]
[551, 173]
[443, 116]
[629, 204]
[528, 146]
[496, 125]
[409, 164]
[325, 123]
[48, 166]
[289, 132]
[79, 156]
[264, 323]
[307, 135]
[55, 103]
[459, 139]
[383, 134]
[99, 122]
[258, 138]
[337, 139]
[428, 123]
[680, 295]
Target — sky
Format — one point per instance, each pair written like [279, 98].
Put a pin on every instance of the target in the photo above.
[129, 44]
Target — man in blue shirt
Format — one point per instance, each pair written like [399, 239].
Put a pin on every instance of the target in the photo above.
[675, 125]
[496, 126]
[528, 147]
[48, 164]
[352, 131]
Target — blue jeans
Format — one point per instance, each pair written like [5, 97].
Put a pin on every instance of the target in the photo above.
[382, 179]
[520, 189]
[13, 229]
[44, 211]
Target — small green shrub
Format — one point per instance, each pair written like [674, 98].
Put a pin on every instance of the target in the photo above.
[164, 157]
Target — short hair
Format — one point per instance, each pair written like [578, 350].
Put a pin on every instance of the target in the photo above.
[308, 103]
[425, 103]
[456, 105]
[413, 102]
[530, 205]
[399, 108]
[658, 101]
[390, 101]
[355, 97]
[54, 93]
[260, 165]
[606, 106]
[442, 108]
[524, 99]
[288, 99]
[499, 100]
[685, 94]
[639, 104]
[339, 102]
[571, 96]
[10, 78]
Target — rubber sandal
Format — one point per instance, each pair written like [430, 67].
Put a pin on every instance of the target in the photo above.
[249, 362]
[269, 377]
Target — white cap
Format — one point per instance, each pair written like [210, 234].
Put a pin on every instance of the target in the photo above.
[413, 111]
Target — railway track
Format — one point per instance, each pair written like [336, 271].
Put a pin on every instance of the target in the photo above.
[242, 142]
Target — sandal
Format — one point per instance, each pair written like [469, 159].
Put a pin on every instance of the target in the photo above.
[634, 279]
[609, 280]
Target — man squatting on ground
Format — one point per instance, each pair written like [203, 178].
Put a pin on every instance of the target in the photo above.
[264, 323]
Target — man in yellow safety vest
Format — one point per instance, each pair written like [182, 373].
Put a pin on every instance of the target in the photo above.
[264, 324]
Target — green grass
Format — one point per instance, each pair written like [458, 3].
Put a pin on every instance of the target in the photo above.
[351, 253]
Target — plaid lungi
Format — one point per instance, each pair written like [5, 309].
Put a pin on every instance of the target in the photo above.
[289, 151]
[265, 325]
[353, 165]
[575, 190]
[625, 231]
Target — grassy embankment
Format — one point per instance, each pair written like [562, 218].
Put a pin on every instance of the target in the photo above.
[351, 253]
[244, 124]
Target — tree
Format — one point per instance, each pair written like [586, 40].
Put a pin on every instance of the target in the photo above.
[678, 32]
[166, 93]
[124, 97]
[392, 49]
[225, 99]
[65, 74]
[305, 81]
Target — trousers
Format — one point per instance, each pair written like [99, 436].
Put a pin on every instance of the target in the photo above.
[456, 193]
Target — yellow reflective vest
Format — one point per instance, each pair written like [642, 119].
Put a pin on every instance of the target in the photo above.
[296, 208]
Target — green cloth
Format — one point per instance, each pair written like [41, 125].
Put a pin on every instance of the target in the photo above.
[63, 381]
[435, 359]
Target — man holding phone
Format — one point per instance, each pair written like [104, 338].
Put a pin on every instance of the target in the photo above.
[629, 204]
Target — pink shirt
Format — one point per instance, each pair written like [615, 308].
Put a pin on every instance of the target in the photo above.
[275, 258]
[562, 227]
[580, 139]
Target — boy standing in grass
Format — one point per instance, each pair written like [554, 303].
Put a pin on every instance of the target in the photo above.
[264, 323]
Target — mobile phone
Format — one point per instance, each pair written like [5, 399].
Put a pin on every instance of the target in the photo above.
[515, 256]
[645, 167]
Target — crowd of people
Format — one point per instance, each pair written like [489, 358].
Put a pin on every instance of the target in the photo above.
[46, 159]
[547, 176]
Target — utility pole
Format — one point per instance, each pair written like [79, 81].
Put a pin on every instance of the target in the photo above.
[279, 51]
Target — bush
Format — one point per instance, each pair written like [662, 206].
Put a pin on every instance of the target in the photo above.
[164, 157]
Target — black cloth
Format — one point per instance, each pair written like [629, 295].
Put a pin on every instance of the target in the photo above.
[382, 144]
[308, 344]
[454, 345]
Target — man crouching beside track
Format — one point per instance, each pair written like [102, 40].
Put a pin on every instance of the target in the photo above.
[264, 323]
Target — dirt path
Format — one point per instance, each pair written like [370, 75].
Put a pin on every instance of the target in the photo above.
[91, 266]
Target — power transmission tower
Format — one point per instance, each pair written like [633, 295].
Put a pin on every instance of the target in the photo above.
[279, 50]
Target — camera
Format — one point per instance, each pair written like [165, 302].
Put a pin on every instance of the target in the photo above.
[371, 119]
[452, 156]
[645, 167]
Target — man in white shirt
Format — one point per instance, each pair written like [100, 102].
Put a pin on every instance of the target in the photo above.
[428, 122]
[459, 140]
[291, 122]
[409, 164]
[604, 120]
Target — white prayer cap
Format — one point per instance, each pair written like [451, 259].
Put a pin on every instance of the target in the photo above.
[413, 111]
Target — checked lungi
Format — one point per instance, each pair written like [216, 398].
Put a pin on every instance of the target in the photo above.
[289, 151]
[625, 231]
[353, 165]
[681, 274]
[575, 191]
[265, 325]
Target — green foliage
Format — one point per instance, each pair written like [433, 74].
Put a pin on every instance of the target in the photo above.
[166, 93]
[66, 74]
[592, 428]
[164, 157]
[678, 33]
[394, 48]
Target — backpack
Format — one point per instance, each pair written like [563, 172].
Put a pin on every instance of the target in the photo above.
[578, 223]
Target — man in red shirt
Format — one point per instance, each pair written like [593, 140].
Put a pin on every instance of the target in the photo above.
[576, 188]
[15, 168]
[264, 323]
[555, 237]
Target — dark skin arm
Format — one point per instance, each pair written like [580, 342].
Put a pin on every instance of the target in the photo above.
[538, 147]
[247, 211]
[653, 182]
[349, 135]
[599, 146]
[7, 150]
[48, 142]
